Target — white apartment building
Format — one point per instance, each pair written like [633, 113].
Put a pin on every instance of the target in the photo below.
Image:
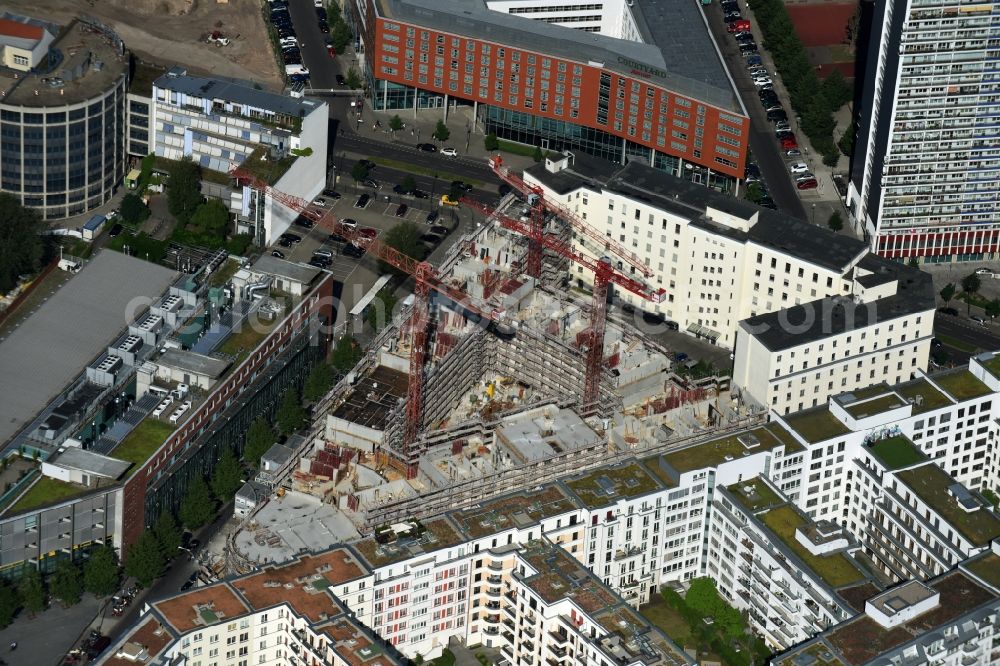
[768, 286]
[219, 124]
[926, 164]
[607, 17]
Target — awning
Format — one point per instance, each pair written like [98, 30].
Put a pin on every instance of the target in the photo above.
[703, 331]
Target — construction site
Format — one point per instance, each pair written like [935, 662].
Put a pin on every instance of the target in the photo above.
[498, 377]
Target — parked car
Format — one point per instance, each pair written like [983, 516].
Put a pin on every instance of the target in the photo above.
[368, 164]
[767, 202]
[747, 49]
[323, 253]
[369, 233]
[348, 222]
[324, 27]
[401, 210]
[979, 320]
[794, 152]
[743, 37]
[430, 239]
[951, 312]
[450, 152]
[278, 253]
[739, 25]
[352, 250]
[320, 262]
[115, 230]
[789, 142]
[762, 81]
[427, 147]
[439, 230]
[808, 175]
[987, 272]
[782, 125]
[461, 185]
[783, 134]
[754, 60]
[368, 182]
[809, 184]
[798, 167]
[777, 115]
[341, 81]
[320, 201]
[331, 194]
[419, 194]
[362, 201]
[304, 222]
[291, 238]
[432, 217]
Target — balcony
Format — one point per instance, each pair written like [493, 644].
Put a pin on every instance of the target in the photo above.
[558, 637]
[510, 611]
[496, 566]
[558, 651]
[494, 579]
[492, 631]
[492, 619]
[493, 605]
[508, 636]
[493, 593]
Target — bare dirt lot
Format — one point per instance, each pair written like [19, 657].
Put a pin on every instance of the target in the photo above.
[174, 31]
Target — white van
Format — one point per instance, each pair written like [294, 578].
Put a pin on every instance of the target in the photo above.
[295, 69]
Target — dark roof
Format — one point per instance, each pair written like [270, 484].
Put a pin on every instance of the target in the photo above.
[640, 182]
[678, 54]
[839, 314]
[177, 80]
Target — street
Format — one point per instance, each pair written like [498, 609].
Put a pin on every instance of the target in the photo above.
[961, 337]
[312, 44]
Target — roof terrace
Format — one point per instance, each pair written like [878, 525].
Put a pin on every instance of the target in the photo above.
[836, 570]
[924, 395]
[520, 509]
[560, 576]
[717, 451]
[934, 487]
[755, 494]
[884, 403]
[987, 568]
[427, 537]
[201, 607]
[353, 644]
[961, 384]
[151, 636]
[816, 424]
[606, 485]
[302, 583]
[896, 452]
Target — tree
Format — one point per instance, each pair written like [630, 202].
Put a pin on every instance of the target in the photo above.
[101, 572]
[211, 221]
[346, 354]
[32, 590]
[537, 155]
[340, 37]
[318, 382]
[755, 192]
[144, 560]
[846, 142]
[947, 293]
[184, 190]
[913, 262]
[970, 285]
[441, 131]
[196, 507]
[66, 584]
[133, 210]
[835, 90]
[9, 603]
[290, 414]
[226, 479]
[21, 246]
[360, 170]
[409, 184]
[168, 535]
[381, 308]
[353, 79]
[993, 309]
[404, 237]
[490, 142]
[259, 439]
[396, 123]
[701, 596]
[836, 222]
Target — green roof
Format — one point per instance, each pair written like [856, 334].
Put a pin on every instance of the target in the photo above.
[961, 384]
[46, 491]
[931, 484]
[816, 424]
[760, 495]
[921, 389]
[993, 365]
[987, 568]
[207, 616]
[861, 409]
[896, 452]
[263, 167]
[141, 443]
[715, 452]
[837, 570]
[605, 485]
[143, 77]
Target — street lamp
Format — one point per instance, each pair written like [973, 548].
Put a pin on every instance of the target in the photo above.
[814, 214]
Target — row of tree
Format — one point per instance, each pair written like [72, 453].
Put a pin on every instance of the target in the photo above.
[814, 101]
[22, 248]
[99, 575]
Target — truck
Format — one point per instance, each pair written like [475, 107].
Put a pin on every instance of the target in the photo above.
[218, 39]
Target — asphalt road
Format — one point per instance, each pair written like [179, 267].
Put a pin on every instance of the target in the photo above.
[312, 44]
[404, 151]
[963, 329]
[763, 144]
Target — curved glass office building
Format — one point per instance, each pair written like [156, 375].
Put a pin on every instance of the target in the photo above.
[62, 120]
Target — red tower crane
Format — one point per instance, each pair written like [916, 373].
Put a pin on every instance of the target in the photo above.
[604, 274]
[424, 274]
[542, 203]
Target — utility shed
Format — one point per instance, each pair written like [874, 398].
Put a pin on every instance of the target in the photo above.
[86, 468]
[190, 368]
[289, 277]
[92, 229]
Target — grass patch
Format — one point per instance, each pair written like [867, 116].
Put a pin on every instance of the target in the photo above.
[861, 409]
[816, 425]
[251, 333]
[896, 452]
[961, 384]
[955, 343]
[715, 452]
[931, 483]
[930, 398]
[142, 442]
[433, 173]
[993, 365]
[837, 570]
[263, 167]
[669, 621]
[447, 658]
[987, 568]
[224, 273]
[46, 491]
[516, 148]
[760, 496]
[628, 481]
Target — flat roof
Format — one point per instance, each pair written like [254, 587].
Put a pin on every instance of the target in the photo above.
[986, 567]
[816, 424]
[149, 635]
[188, 611]
[560, 576]
[680, 56]
[519, 509]
[300, 583]
[960, 384]
[91, 463]
[432, 535]
[54, 345]
[230, 91]
[193, 362]
[354, 644]
[934, 487]
[606, 485]
[301, 273]
[729, 447]
[896, 452]
[91, 62]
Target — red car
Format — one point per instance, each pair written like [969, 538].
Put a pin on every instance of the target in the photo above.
[368, 233]
[788, 143]
[332, 52]
[809, 184]
[738, 26]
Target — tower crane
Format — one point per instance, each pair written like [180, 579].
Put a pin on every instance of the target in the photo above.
[425, 275]
[540, 203]
[604, 274]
